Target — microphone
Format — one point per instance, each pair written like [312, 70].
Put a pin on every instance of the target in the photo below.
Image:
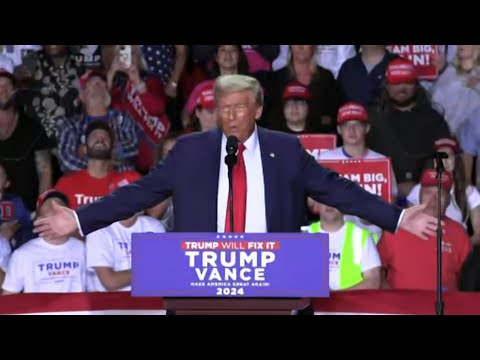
[231, 160]
[439, 155]
[232, 148]
[232, 144]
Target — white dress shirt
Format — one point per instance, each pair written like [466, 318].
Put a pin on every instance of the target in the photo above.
[255, 221]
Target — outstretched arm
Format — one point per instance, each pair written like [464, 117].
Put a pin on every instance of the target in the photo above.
[120, 205]
[131, 199]
[327, 187]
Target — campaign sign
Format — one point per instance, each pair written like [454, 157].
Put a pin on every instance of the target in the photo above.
[422, 56]
[315, 144]
[230, 265]
[374, 175]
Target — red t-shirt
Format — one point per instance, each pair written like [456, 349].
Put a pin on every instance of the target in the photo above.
[82, 189]
[411, 262]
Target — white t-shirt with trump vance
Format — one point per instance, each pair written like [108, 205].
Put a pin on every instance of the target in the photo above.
[369, 260]
[41, 267]
[112, 247]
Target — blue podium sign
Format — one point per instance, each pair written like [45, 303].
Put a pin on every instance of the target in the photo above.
[230, 265]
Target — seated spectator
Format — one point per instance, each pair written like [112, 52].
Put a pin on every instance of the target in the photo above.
[88, 185]
[109, 251]
[24, 147]
[54, 265]
[353, 127]
[140, 94]
[361, 76]
[296, 102]
[354, 260]
[465, 198]
[409, 261]
[204, 118]
[404, 125]
[323, 88]
[15, 222]
[96, 99]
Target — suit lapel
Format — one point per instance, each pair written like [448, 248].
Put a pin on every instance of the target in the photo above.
[212, 172]
[269, 164]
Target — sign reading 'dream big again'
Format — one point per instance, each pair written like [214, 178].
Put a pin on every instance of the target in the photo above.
[229, 265]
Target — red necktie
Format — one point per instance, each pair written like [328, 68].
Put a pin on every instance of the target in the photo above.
[239, 194]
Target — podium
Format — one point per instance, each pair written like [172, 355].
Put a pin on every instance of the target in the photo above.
[236, 306]
[231, 274]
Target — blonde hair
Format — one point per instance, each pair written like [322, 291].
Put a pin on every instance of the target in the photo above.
[226, 84]
[476, 60]
[313, 62]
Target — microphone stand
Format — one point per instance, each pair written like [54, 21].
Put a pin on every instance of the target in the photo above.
[439, 304]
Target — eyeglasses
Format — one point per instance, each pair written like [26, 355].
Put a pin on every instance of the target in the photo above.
[236, 109]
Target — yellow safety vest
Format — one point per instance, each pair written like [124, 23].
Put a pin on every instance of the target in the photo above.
[351, 255]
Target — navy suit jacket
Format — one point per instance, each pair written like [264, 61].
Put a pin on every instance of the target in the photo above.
[190, 174]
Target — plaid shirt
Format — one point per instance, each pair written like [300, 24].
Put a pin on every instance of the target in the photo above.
[72, 135]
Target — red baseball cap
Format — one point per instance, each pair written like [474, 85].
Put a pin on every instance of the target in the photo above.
[352, 111]
[206, 99]
[89, 74]
[296, 90]
[401, 71]
[448, 143]
[429, 178]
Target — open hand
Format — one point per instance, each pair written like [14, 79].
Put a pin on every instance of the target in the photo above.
[418, 223]
[61, 223]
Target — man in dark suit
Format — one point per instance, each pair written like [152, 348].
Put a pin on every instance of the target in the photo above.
[272, 178]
